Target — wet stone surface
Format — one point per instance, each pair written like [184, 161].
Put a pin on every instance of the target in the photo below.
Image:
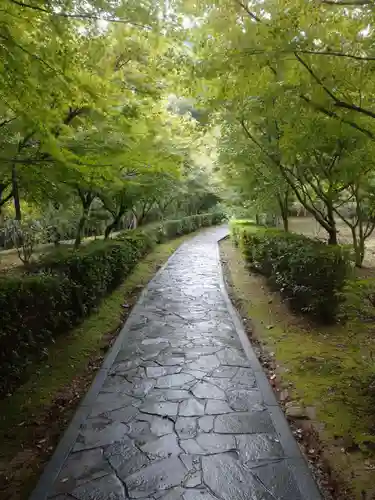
[180, 416]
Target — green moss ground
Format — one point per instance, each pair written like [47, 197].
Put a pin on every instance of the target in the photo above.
[328, 368]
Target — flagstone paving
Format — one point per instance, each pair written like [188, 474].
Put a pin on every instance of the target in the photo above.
[183, 412]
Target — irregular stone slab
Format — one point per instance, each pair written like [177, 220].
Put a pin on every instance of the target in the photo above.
[191, 407]
[186, 427]
[161, 426]
[140, 388]
[155, 371]
[233, 357]
[172, 494]
[204, 363]
[242, 423]
[216, 443]
[194, 480]
[157, 340]
[174, 381]
[245, 400]
[279, 480]
[190, 446]
[125, 458]
[206, 424]
[99, 432]
[172, 361]
[106, 402]
[198, 374]
[198, 495]
[107, 487]
[164, 447]
[176, 395]
[196, 352]
[162, 409]
[225, 372]
[253, 447]
[124, 366]
[191, 462]
[215, 407]
[208, 391]
[140, 431]
[81, 467]
[160, 475]
[229, 480]
[244, 378]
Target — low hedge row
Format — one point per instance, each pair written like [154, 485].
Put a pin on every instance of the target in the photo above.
[309, 274]
[65, 286]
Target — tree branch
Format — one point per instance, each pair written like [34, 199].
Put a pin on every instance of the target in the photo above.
[332, 114]
[337, 101]
[348, 3]
[77, 16]
[251, 14]
[335, 54]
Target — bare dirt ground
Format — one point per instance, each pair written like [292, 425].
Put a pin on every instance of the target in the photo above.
[309, 227]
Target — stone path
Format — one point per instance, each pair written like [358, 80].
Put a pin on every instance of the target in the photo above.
[181, 408]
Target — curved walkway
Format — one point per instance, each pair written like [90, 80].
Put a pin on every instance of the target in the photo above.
[181, 408]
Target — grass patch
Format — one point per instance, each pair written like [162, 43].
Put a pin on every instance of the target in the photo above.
[327, 368]
[33, 418]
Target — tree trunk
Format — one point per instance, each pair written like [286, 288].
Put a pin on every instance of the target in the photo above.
[332, 236]
[332, 231]
[16, 194]
[81, 225]
[86, 199]
[257, 219]
[113, 225]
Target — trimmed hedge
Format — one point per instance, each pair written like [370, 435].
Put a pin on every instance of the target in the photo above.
[65, 286]
[309, 274]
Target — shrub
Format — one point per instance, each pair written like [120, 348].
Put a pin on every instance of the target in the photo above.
[309, 274]
[358, 300]
[64, 287]
[33, 310]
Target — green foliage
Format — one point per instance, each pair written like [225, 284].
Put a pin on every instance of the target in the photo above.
[66, 285]
[309, 274]
[358, 301]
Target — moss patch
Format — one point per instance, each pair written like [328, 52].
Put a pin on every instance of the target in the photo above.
[328, 368]
[33, 418]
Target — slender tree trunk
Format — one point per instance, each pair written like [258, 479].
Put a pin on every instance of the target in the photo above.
[113, 225]
[86, 199]
[284, 205]
[332, 231]
[81, 225]
[16, 194]
[257, 219]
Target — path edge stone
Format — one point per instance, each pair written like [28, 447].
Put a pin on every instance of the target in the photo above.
[297, 462]
[56, 461]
